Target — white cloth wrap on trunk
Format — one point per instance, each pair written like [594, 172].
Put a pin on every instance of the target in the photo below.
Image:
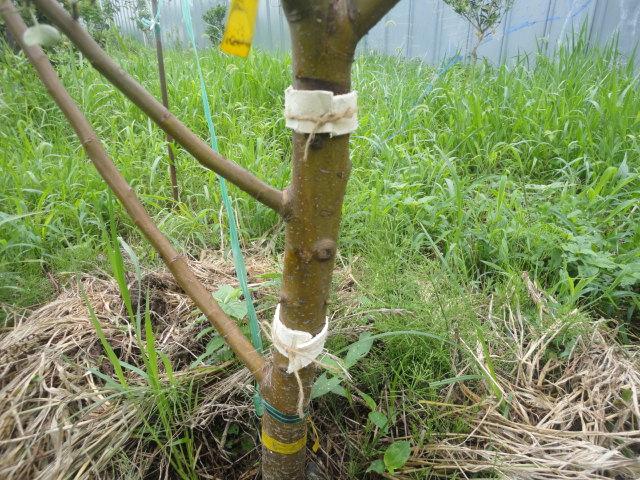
[320, 111]
[301, 348]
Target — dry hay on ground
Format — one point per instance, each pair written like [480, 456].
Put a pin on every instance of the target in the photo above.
[567, 418]
[57, 420]
[574, 416]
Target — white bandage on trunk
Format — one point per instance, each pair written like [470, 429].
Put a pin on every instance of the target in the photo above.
[301, 348]
[320, 111]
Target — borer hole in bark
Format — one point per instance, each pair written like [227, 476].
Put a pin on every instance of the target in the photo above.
[318, 141]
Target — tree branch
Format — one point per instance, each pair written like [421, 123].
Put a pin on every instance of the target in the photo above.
[237, 175]
[105, 166]
[162, 77]
[367, 13]
[303, 7]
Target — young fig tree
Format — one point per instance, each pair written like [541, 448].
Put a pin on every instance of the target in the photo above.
[214, 23]
[483, 15]
[321, 110]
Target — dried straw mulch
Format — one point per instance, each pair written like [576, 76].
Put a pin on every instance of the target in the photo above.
[57, 419]
[574, 417]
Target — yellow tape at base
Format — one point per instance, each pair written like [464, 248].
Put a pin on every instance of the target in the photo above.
[284, 448]
[238, 34]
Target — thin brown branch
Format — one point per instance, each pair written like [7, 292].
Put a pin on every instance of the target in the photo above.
[165, 101]
[367, 13]
[105, 166]
[237, 175]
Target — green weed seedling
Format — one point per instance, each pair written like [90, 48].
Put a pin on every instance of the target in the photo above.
[152, 387]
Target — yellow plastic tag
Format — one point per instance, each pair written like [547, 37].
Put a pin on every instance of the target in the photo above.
[284, 448]
[238, 34]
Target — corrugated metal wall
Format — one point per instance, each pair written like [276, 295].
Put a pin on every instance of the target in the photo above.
[430, 30]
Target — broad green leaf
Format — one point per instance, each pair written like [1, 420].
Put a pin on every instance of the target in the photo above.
[133, 257]
[235, 309]
[376, 466]
[379, 419]
[134, 369]
[401, 333]
[270, 275]
[226, 293]
[204, 332]
[371, 403]
[214, 344]
[323, 385]
[109, 382]
[168, 368]
[340, 390]
[117, 264]
[247, 444]
[6, 218]
[623, 169]
[333, 364]
[229, 299]
[489, 372]
[152, 355]
[358, 349]
[397, 455]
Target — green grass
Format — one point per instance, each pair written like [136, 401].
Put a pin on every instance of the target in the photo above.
[499, 170]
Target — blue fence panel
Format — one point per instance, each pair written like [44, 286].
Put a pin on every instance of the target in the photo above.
[431, 31]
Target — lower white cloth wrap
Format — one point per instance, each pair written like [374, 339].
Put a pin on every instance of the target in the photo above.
[320, 111]
[301, 348]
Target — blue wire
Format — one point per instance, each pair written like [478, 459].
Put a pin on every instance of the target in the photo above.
[531, 23]
[238, 259]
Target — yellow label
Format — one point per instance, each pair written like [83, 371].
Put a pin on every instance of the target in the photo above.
[238, 34]
[283, 448]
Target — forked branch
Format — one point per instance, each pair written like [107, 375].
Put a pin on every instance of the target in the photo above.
[105, 166]
[367, 13]
[237, 175]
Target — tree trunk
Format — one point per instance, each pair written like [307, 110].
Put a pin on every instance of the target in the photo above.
[324, 35]
[11, 42]
[474, 52]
